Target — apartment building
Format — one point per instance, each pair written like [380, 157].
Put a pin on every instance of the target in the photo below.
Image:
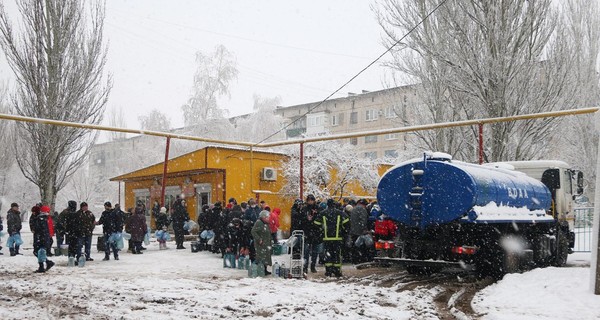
[389, 108]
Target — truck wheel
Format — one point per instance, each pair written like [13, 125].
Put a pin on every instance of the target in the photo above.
[496, 263]
[562, 249]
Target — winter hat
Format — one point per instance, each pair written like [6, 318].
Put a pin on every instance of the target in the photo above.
[330, 202]
[45, 209]
[232, 200]
[35, 209]
[264, 214]
[375, 210]
[310, 197]
[14, 204]
[108, 204]
[349, 207]
[72, 204]
[163, 210]
[322, 205]
[83, 204]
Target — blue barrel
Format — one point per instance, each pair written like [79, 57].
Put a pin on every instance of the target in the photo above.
[422, 193]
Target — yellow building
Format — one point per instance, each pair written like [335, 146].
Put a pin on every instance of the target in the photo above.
[214, 174]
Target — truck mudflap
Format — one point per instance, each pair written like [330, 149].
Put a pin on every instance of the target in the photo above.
[433, 264]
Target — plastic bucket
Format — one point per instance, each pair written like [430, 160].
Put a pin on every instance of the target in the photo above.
[64, 249]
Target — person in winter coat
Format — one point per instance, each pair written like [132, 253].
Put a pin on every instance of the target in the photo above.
[89, 222]
[59, 230]
[296, 215]
[51, 232]
[35, 210]
[179, 217]
[358, 226]
[274, 223]
[262, 240]
[332, 221]
[312, 233]
[234, 236]
[252, 211]
[112, 224]
[41, 235]
[70, 225]
[13, 226]
[137, 227]
[162, 219]
[221, 227]
[162, 223]
[220, 222]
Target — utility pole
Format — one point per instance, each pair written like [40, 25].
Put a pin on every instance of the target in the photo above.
[595, 262]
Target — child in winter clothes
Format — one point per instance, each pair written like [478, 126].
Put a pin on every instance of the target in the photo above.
[162, 224]
[41, 234]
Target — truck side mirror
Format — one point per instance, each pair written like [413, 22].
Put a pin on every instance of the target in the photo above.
[579, 183]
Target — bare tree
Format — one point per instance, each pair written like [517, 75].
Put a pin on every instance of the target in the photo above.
[58, 59]
[155, 120]
[479, 58]
[6, 158]
[116, 118]
[577, 139]
[211, 80]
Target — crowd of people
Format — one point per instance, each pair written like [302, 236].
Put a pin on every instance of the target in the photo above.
[331, 230]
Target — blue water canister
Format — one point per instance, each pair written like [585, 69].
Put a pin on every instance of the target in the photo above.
[81, 262]
[71, 262]
[276, 269]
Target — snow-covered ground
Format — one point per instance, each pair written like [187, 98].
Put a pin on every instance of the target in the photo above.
[178, 284]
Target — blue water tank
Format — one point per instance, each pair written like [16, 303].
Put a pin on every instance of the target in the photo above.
[420, 193]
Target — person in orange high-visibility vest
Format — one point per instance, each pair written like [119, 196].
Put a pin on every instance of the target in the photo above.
[332, 221]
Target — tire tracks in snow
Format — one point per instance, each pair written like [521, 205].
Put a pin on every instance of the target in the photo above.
[450, 292]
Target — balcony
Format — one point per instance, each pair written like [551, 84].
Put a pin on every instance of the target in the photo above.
[295, 132]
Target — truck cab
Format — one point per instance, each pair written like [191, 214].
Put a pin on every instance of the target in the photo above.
[564, 185]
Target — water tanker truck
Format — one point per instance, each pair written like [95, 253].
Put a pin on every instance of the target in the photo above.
[495, 218]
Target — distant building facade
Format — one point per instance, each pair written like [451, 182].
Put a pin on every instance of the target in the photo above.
[384, 109]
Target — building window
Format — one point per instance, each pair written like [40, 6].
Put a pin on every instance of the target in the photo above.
[316, 121]
[371, 115]
[335, 120]
[391, 136]
[371, 155]
[390, 154]
[353, 141]
[354, 118]
[390, 112]
[370, 139]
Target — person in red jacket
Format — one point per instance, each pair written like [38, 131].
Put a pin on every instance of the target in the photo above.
[385, 228]
[50, 241]
[274, 223]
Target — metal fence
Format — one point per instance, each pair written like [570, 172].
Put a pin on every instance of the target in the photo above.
[584, 218]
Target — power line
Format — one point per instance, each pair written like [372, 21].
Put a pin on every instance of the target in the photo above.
[356, 75]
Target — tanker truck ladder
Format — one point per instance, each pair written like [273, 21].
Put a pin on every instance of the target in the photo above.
[416, 192]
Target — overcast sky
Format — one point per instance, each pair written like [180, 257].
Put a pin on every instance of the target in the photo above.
[301, 51]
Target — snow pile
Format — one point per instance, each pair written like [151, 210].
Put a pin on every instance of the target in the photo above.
[493, 211]
[549, 293]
